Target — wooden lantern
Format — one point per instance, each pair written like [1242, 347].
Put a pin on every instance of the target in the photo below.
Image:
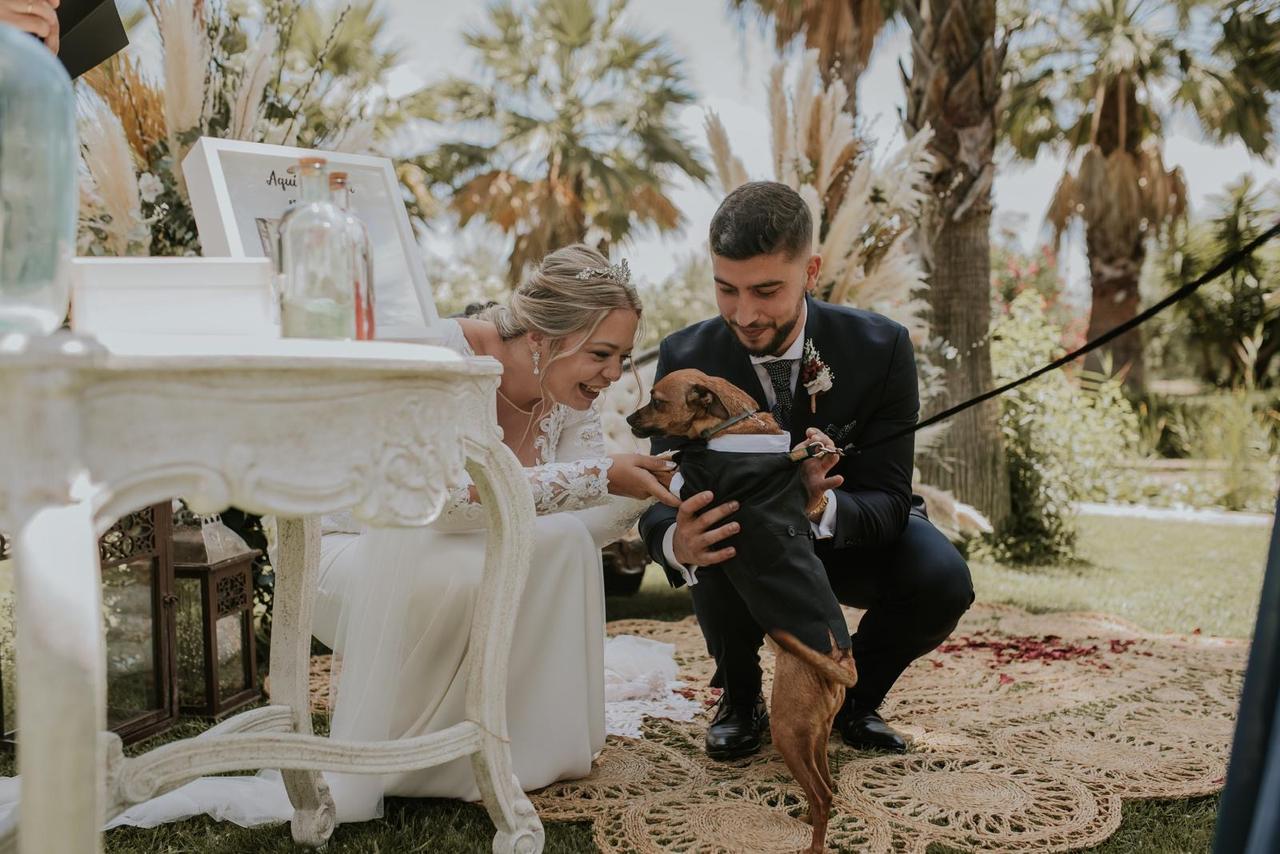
[137, 599]
[217, 661]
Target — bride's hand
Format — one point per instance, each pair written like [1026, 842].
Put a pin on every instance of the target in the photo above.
[642, 476]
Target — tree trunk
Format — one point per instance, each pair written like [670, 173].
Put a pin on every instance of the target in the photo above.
[1114, 282]
[971, 453]
[955, 88]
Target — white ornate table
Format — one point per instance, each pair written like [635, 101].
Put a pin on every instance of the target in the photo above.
[292, 428]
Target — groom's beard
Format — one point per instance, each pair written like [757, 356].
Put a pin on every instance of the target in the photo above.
[773, 344]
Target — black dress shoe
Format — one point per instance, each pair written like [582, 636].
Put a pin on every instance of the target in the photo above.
[736, 729]
[864, 730]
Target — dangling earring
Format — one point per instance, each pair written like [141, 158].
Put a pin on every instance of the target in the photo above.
[537, 357]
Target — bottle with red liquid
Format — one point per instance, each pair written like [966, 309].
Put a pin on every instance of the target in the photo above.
[362, 257]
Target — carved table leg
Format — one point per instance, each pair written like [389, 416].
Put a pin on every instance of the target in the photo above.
[61, 682]
[504, 492]
[295, 588]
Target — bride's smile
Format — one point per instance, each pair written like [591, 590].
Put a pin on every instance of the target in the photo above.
[592, 361]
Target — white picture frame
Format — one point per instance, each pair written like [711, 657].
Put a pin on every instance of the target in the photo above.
[238, 188]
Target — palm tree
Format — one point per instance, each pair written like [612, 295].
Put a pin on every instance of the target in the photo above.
[842, 31]
[954, 88]
[350, 50]
[1214, 321]
[1251, 37]
[570, 135]
[1100, 79]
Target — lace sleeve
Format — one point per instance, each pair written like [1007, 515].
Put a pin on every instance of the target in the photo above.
[577, 476]
[575, 473]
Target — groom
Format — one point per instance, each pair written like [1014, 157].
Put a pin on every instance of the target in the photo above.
[823, 371]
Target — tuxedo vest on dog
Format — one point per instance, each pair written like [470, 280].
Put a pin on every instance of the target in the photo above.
[774, 569]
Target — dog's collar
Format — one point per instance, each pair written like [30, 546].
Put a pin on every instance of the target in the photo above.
[725, 425]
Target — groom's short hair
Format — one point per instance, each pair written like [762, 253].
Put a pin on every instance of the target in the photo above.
[761, 218]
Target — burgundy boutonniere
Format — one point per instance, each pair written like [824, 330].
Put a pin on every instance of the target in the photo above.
[815, 374]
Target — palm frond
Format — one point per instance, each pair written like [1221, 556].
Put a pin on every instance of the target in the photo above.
[1092, 193]
[843, 33]
[1062, 206]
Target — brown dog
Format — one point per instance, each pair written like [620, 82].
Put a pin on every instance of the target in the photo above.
[809, 682]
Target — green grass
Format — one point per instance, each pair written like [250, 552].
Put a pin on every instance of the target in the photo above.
[656, 600]
[1164, 827]
[1154, 827]
[409, 826]
[1164, 576]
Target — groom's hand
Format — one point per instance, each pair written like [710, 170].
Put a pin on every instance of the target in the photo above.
[696, 532]
[816, 471]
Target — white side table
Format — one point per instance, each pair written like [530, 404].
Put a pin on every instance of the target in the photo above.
[295, 428]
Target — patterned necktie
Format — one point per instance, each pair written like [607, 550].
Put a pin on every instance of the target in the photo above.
[780, 375]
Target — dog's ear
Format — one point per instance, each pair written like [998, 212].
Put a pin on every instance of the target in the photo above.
[703, 399]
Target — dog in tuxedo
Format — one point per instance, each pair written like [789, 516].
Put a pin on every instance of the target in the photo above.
[747, 458]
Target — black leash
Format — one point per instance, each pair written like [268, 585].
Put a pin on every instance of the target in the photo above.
[1225, 264]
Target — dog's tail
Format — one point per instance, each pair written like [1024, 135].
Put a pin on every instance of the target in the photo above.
[831, 669]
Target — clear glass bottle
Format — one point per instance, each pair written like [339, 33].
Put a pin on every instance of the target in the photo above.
[316, 259]
[39, 195]
[362, 272]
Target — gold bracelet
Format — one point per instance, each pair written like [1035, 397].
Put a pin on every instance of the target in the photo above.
[816, 513]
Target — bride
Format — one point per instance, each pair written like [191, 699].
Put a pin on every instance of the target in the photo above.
[565, 336]
[395, 605]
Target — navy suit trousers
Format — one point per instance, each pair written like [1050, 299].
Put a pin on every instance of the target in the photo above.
[914, 591]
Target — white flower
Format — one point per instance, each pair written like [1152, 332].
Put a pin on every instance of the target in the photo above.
[820, 383]
[819, 372]
[139, 233]
[149, 187]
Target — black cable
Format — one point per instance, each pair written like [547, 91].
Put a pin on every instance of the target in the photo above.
[1225, 264]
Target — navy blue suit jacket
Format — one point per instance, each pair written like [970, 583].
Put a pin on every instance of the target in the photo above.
[874, 393]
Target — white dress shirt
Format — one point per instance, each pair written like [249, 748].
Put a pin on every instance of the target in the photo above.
[825, 527]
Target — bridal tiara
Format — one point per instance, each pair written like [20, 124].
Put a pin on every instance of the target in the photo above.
[619, 273]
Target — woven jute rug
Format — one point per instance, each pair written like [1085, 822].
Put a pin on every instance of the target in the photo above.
[1028, 731]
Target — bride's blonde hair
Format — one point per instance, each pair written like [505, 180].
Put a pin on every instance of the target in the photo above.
[572, 291]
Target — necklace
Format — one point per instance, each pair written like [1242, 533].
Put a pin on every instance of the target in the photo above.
[532, 413]
[529, 412]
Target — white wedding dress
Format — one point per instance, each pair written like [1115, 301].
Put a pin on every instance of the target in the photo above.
[555, 691]
[396, 606]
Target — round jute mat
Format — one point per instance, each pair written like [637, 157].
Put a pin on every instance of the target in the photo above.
[1027, 732]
